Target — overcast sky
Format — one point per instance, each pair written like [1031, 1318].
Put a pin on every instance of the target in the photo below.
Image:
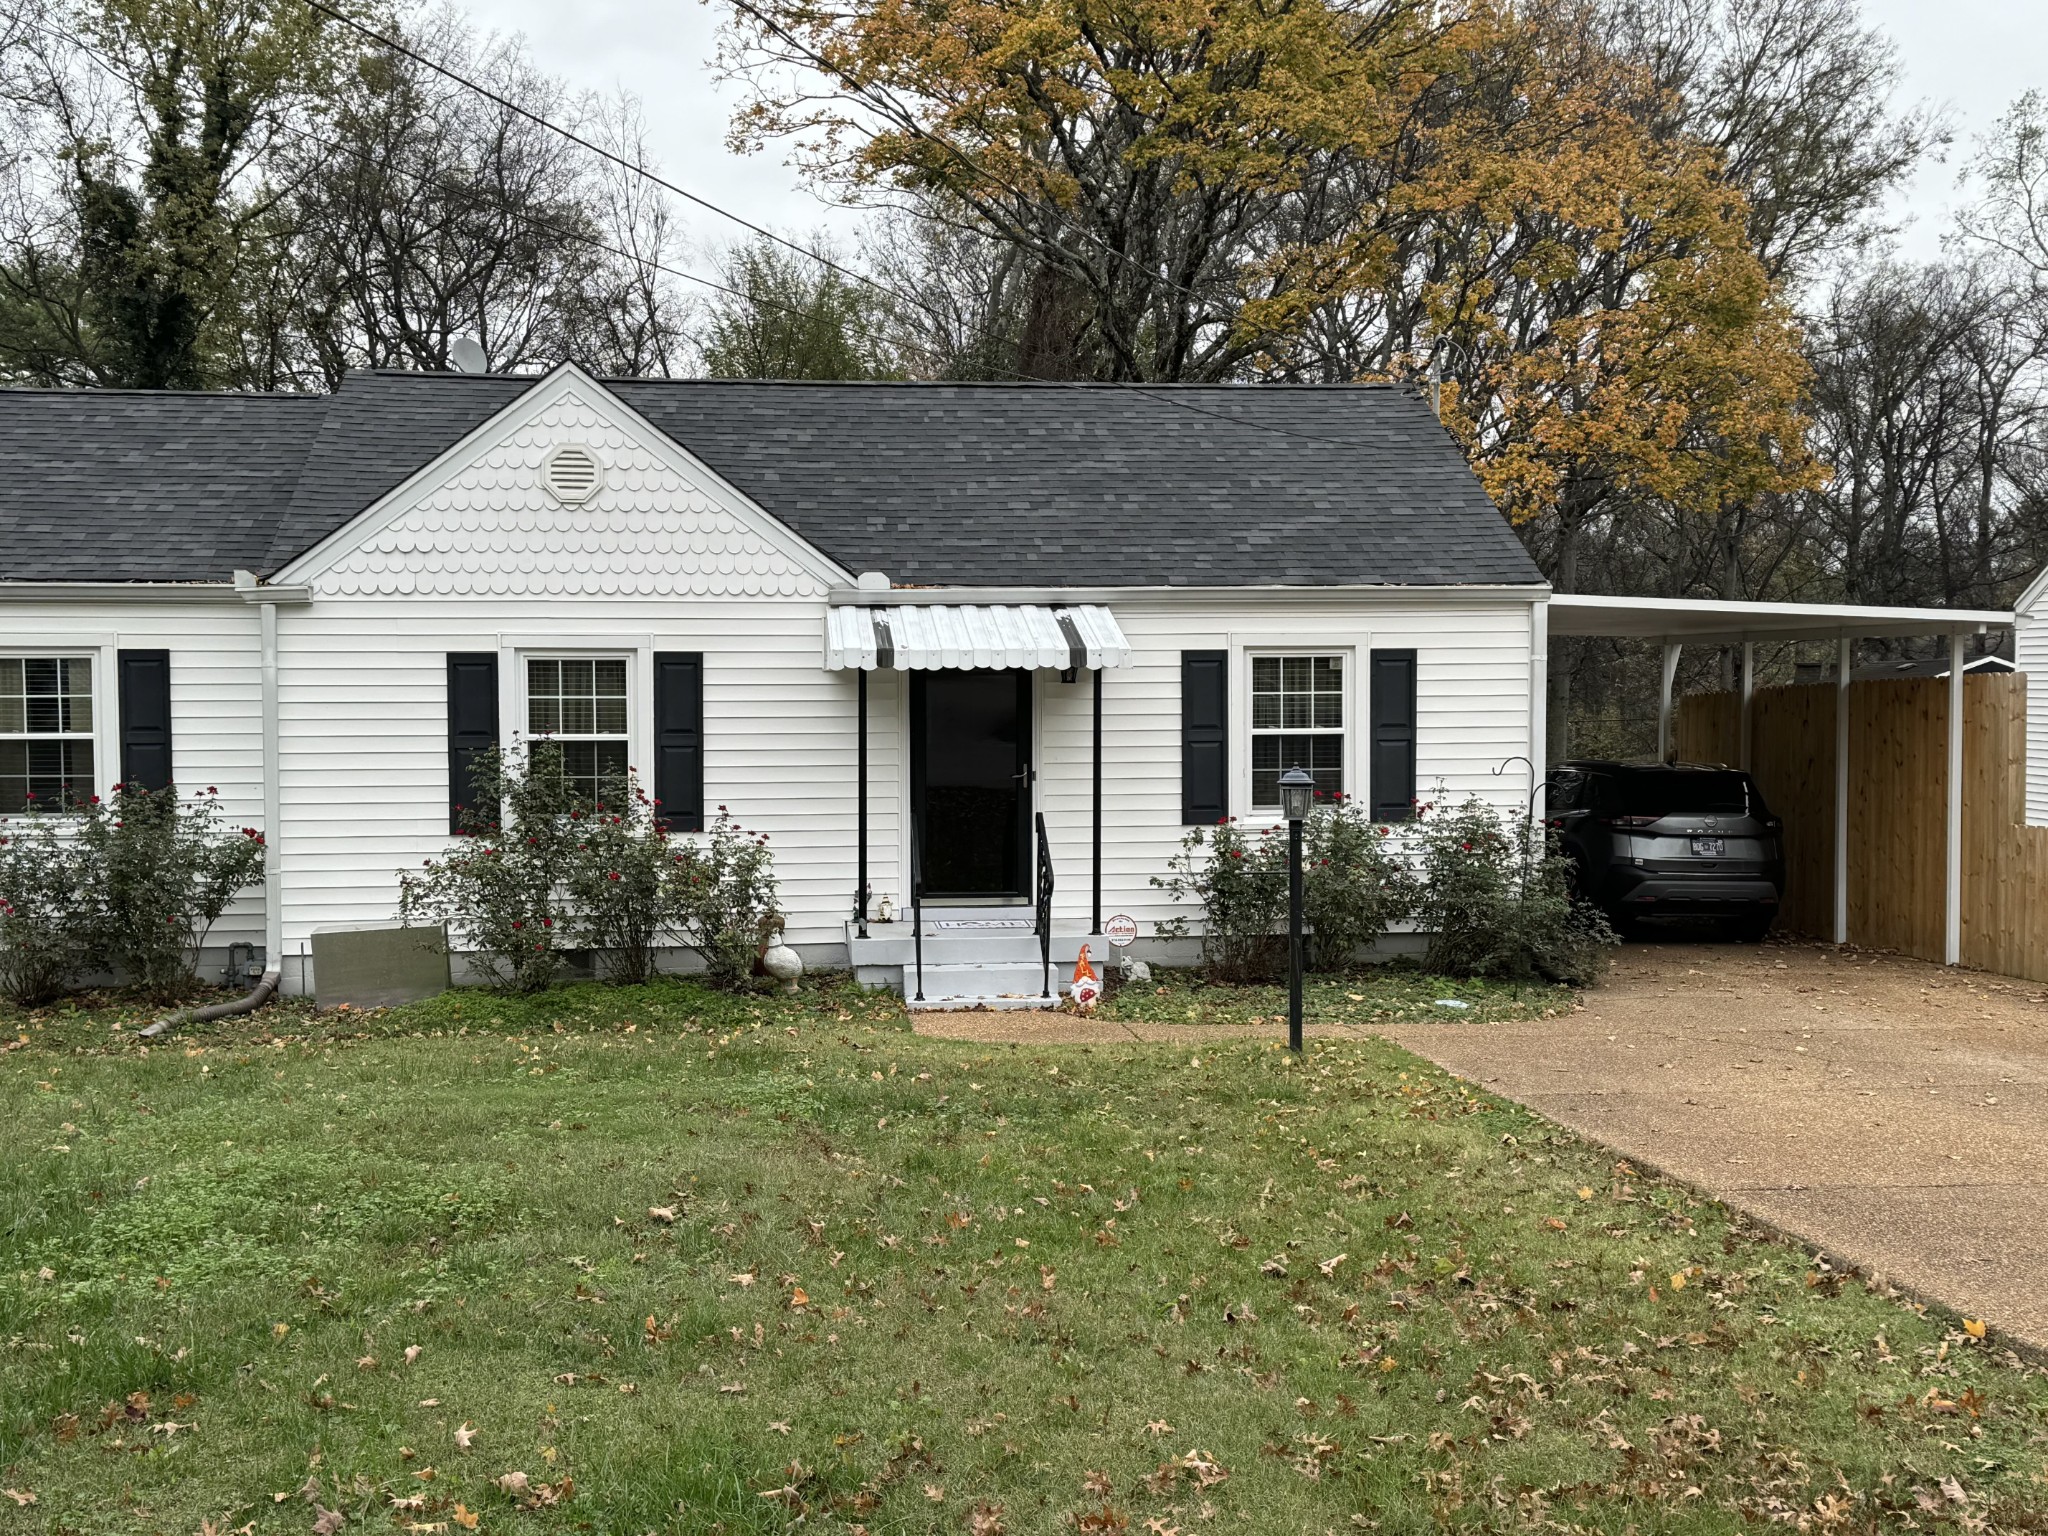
[1969, 57]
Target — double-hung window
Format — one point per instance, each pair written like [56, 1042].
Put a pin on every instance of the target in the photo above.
[579, 703]
[1297, 722]
[46, 732]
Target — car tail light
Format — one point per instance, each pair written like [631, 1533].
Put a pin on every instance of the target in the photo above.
[1632, 821]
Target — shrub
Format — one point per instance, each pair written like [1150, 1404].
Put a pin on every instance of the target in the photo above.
[1354, 883]
[623, 881]
[46, 910]
[1239, 880]
[724, 890]
[1496, 901]
[502, 889]
[162, 870]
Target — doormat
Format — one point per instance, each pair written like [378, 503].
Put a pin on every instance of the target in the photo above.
[985, 922]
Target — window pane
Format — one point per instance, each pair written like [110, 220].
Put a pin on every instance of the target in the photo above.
[1329, 672]
[576, 677]
[10, 676]
[1295, 670]
[578, 716]
[78, 676]
[42, 712]
[1266, 674]
[611, 759]
[13, 776]
[40, 674]
[611, 678]
[1265, 710]
[543, 715]
[1294, 710]
[543, 677]
[13, 716]
[1329, 709]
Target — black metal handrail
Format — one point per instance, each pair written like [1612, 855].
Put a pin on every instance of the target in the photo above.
[1042, 889]
[917, 905]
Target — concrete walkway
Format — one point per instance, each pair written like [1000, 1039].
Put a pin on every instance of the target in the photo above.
[1893, 1112]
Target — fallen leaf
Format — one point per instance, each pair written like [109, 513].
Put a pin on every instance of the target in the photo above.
[1329, 1266]
[799, 1297]
[465, 1517]
[935, 1493]
[514, 1483]
[464, 1436]
[1159, 1427]
[1678, 1280]
[1585, 1193]
[1974, 1327]
[985, 1520]
[21, 1496]
[412, 1353]
[330, 1521]
[665, 1214]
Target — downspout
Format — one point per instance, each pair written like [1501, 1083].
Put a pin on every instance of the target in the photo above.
[273, 916]
[1539, 704]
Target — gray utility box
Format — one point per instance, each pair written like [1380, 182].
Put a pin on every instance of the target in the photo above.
[378, 965]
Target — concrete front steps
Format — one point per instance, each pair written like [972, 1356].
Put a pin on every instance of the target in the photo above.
[974, 957]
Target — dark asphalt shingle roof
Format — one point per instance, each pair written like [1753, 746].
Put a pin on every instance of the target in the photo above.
[935, 484]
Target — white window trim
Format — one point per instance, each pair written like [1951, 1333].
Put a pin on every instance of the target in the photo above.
[639, 660]
[1242, 657]
[105, 736]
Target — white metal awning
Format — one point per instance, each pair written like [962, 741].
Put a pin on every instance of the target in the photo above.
[934, 636]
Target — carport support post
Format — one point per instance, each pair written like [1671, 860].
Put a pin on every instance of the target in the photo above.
[1844, 655]
[1748, 698]
[1664, 701]
[1952, 850]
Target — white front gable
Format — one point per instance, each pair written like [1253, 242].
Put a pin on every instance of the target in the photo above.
[483, 520]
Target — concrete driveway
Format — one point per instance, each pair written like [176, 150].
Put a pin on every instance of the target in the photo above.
[1893, 1112]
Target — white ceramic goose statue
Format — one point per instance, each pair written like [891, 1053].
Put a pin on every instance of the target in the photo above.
[777, 958]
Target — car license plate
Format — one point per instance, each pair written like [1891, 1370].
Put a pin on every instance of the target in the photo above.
[1707, 847]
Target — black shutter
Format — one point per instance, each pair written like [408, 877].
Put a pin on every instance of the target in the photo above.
[1204, 737]
[1392, 739]
[145, 694]
[679, 738]
[472, 724]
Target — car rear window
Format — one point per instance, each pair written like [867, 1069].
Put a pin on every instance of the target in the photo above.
[1683, 794]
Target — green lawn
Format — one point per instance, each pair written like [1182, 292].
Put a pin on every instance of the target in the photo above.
[657, 1260]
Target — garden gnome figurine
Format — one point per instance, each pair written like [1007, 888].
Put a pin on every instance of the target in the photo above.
[777, 958]
[1087, 988]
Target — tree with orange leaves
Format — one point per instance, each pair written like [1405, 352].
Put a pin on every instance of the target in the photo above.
[1330, 189]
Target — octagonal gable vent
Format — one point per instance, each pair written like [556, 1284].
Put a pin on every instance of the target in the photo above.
[572, 474]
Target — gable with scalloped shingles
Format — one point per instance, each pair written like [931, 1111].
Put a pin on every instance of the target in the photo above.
[490, 528]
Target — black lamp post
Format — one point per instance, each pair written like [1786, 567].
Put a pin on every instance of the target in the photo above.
[1297, 788]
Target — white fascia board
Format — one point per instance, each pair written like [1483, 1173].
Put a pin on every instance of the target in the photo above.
[2024, 605]
[546, 391]
[1707, 621]
[1073, 597]
[181, 593]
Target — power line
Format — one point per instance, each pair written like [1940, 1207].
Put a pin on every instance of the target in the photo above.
[634, 168]
[541, 121]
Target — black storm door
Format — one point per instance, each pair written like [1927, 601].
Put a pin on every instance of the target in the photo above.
[970, 781]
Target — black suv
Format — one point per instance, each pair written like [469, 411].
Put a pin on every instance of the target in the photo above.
[1670, 840]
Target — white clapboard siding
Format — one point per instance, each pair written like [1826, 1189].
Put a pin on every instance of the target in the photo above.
[1472, 708]
[2030, 655]
[216, 701]
[475, 555]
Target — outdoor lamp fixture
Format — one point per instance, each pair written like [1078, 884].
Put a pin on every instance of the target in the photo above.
[1297, 788]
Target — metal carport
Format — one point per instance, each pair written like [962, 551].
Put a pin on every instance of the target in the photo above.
[1676, 622]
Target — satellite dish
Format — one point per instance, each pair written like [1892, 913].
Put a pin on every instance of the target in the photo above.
[467, 354]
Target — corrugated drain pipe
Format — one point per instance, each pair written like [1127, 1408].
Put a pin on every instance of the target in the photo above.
[266, 989]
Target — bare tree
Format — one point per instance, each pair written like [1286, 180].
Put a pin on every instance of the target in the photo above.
[432, 211]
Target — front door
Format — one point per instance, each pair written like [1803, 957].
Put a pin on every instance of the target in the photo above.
[970, 782]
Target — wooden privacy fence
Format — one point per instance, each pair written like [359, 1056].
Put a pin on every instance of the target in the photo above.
[1898, 798]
